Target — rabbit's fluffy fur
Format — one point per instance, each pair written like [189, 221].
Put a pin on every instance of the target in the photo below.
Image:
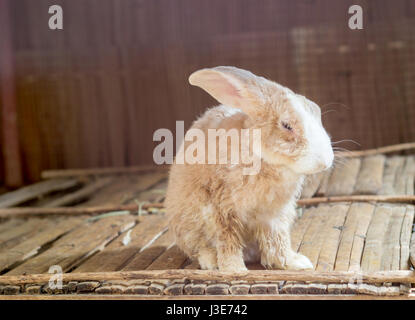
[221, 216]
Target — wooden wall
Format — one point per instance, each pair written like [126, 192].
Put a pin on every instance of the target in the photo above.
[93, 94]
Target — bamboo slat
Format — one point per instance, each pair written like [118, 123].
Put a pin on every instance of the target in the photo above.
[328, 252]
[314, 237]
[359, 241]
[322, 190]
[76, 245]
[393, 166]
[412, 250]
[300, 227]
[312, 184]
[343, 178]
[353, 237]
[373, 251]
[410, 181]
[404, 183]
[405, 238]
[370, 177]
[391, 245]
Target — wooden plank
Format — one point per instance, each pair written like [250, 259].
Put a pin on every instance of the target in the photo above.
[391, 244]
[125, 189]
[312, 184]
[370, 177]
[172, 258]
[80, 194]
[24, 231]
[353, 237]
[76, 245]
[10, 224]
[373, 251]
[405, 240]
[31, 246]
[343, 178]
[154, 194]
[392, 166]
[33, 191]
[112, 194]
[328, 252]
[147, 255]
[121, 250]
[155, 183]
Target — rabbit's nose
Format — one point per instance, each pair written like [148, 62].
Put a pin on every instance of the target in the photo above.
[325, 161]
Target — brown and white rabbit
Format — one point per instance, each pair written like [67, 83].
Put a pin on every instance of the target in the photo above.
[224, 217]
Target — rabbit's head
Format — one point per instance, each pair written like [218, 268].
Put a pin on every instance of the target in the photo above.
[291, 130]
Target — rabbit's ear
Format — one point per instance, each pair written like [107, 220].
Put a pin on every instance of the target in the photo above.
[230, 86]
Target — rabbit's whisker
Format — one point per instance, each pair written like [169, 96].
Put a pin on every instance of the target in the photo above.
[346, 140]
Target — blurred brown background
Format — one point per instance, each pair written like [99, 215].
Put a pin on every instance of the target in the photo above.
[92, 94]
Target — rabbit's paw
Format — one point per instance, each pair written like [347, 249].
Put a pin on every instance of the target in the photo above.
[297, 261]
[233, 264]
[207, 259]
[234, 268]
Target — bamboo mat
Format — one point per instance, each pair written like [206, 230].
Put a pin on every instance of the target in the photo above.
[347, 236]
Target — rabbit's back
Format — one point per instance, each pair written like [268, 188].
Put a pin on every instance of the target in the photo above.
[193, 188]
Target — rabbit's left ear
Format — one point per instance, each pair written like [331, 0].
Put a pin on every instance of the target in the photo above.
[231, 86]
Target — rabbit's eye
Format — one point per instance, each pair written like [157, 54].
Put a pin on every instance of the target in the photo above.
[286, 126]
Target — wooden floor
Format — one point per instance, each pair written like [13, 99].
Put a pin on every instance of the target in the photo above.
[346, 236]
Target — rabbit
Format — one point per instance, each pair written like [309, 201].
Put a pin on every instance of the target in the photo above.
[224, 218]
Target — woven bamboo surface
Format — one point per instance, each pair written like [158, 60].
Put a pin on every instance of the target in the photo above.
[337, 237]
